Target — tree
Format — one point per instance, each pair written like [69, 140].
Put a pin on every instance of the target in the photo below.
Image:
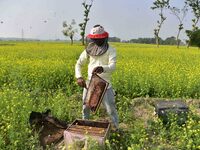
[82, 25]
[170, 41]
[180, 15]
[161, 5]
[69, 30]
[195, 6]
[114, 39]
[143, 40]
[195, 38]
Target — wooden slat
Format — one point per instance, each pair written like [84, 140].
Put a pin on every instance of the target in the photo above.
[73, 130]
[87, 129]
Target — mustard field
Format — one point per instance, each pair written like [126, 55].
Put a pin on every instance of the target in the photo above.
[36, 76]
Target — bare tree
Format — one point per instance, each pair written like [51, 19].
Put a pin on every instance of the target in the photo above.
[180, 15]
[69, 30]
[161, 5]
[82, 25]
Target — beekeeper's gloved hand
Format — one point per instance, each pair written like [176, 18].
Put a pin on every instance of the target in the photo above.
[98, 69]
[81, 82]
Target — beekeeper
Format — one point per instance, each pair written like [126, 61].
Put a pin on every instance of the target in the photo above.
[102, 60]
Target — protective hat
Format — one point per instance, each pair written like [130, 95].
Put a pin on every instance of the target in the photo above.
[97, 32]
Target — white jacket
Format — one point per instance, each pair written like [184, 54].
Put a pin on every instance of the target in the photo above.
[107, 61]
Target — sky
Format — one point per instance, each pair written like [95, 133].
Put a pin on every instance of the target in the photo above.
[126, 19]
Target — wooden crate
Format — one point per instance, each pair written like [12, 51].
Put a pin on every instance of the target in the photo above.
[80, 130]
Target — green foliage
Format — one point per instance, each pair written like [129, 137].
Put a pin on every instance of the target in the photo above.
[168, 41]
[114, 39]
[36, 76]
[160, 4]
[195, 5]
[195, 38]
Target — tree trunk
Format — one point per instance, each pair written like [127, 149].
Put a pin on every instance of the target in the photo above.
[157, 41]
[177, 38]
[188, 44]
[72, 41]
[83, 40]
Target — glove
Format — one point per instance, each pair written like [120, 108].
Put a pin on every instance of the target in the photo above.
[81, 82]
[98, 69]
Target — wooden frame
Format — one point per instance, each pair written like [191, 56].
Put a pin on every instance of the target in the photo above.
[95, 92]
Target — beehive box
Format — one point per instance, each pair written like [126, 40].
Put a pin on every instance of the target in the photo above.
[80, 130]
[164, 109]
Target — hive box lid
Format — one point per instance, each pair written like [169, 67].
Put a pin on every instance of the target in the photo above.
[171, 104]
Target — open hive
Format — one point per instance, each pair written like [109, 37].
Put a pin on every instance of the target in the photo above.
[80, 130]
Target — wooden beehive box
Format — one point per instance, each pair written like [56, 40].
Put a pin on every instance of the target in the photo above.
[80, 130]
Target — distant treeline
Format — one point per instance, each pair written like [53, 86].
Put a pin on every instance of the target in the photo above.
[114, 39]
[167, 41]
